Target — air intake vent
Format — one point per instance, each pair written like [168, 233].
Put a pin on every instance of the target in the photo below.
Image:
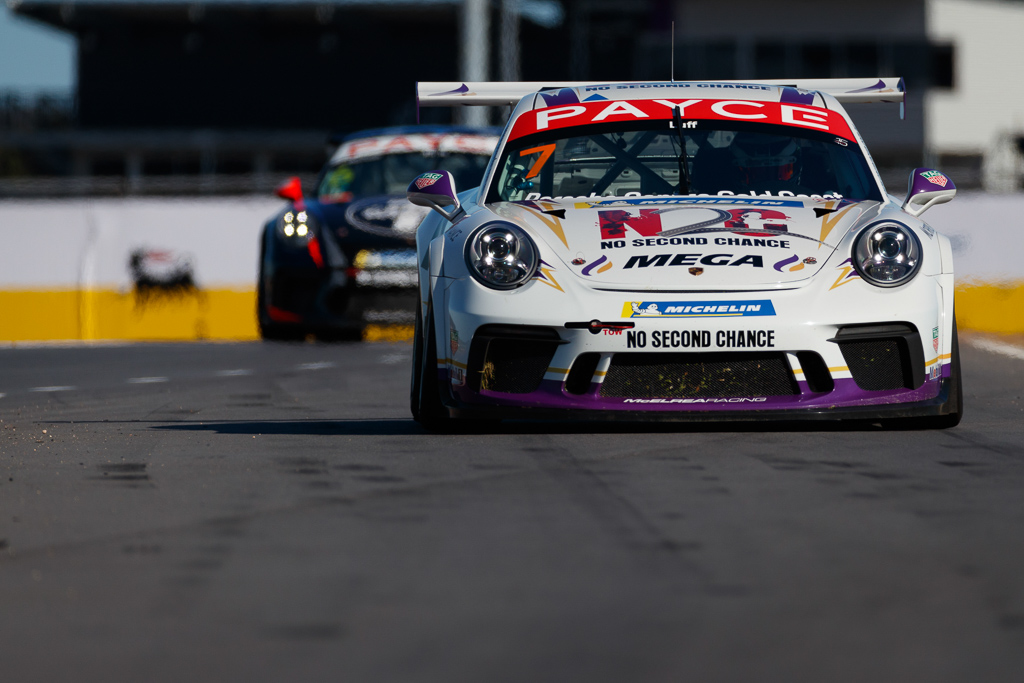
[882, 357]
[698, 375]
[511, 359]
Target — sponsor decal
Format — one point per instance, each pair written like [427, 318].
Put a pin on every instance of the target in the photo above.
[935, 371]
[578, 261]
[935, 177]
[697, 309]
[700, 339]
[453, 338]
[658, 260]
[696, 241]
[427, 179]
[724, 197]
[457, 376]
[758, 399]
[649, 222]
[696, 271]
[777, 113]
[841, 142]
[935, 339]
[810, 260]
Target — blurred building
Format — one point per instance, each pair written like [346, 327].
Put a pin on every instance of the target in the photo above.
[229, 95]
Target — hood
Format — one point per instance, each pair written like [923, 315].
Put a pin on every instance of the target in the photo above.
[689, 243]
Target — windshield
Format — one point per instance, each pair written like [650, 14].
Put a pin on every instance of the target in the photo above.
[390, 174]
[644, 158]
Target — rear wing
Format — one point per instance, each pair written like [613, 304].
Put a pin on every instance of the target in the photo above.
[507, 94]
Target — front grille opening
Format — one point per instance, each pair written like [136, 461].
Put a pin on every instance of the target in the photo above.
[511, 359]
[581, 373]
[515, 366]
[698, 375]
[816, 374]
[879, 364]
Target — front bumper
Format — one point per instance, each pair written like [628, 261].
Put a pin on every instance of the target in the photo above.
[847, 352]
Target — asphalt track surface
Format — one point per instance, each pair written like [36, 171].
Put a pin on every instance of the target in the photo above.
[269, 512]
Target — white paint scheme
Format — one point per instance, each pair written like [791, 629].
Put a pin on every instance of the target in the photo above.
[808, 309]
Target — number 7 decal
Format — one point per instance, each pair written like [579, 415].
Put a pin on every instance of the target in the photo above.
[545, 153]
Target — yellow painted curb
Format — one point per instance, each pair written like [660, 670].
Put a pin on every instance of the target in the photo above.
[988, 307]
[217, 314]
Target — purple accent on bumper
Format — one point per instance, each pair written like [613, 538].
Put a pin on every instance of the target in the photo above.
[847, 394]
[794, 96]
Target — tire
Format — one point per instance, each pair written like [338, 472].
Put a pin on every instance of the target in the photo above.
[269, 330]
[417, 362]
[955, 403]
[956, 388]
[432, 413]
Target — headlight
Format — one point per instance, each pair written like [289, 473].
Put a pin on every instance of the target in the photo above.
[296, 226]
[501, 255]
[887, 254]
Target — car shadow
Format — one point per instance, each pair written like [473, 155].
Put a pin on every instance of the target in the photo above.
[408, 427]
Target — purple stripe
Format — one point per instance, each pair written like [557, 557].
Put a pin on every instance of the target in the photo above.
[586, 271]
[846, 394]
[785, 262]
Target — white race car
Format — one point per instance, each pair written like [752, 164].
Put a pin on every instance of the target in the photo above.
[682, 251]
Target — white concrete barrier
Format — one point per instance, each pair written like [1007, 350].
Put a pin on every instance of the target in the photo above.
[66, 268]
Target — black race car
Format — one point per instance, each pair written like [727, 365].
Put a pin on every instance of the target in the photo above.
[343, 261]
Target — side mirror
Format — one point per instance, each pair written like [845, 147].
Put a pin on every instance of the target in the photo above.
[291, 189]
[435, 190]
[928, 187]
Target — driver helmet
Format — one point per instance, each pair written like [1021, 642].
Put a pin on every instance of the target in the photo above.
[766, 158]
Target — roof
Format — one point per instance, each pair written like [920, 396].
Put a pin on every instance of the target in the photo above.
[418, 129]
